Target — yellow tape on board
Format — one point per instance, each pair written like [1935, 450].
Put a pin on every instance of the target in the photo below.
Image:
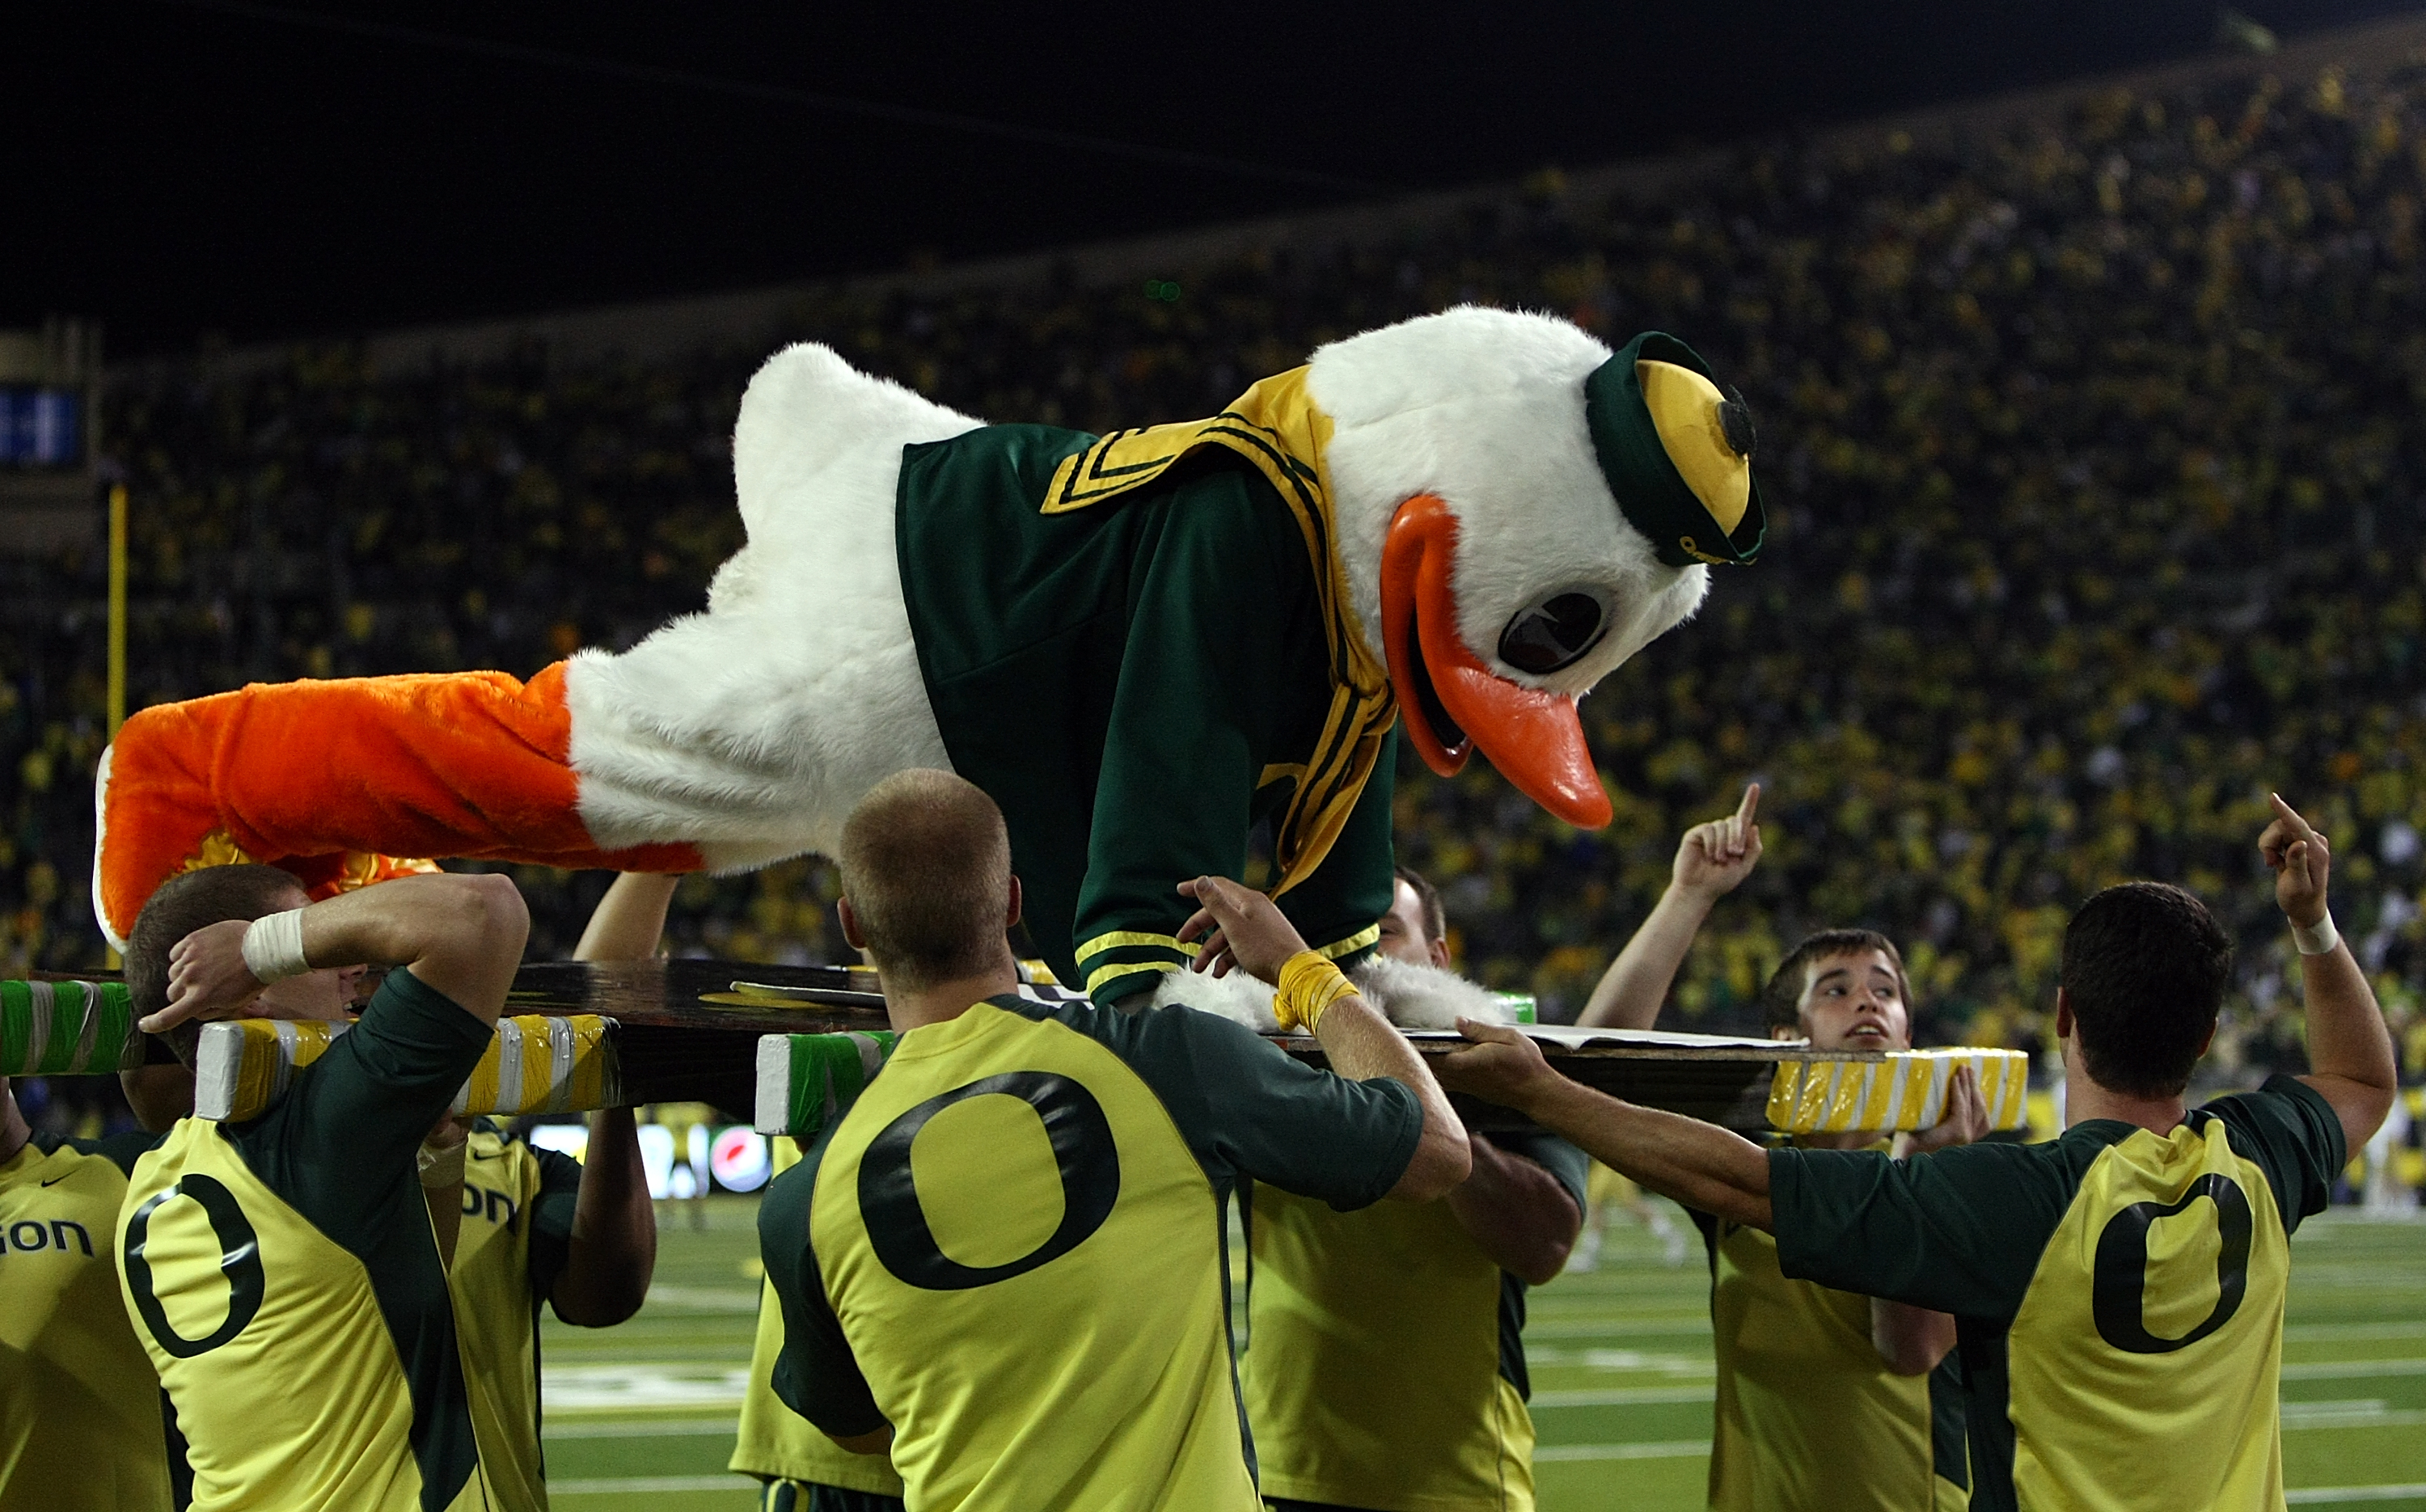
[537, 1063]
[1906, 1091]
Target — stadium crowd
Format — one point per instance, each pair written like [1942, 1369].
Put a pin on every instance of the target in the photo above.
[2090, 450]
[2093, 523]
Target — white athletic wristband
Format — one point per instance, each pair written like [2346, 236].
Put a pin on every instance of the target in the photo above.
[2317, 938]
[273, 946]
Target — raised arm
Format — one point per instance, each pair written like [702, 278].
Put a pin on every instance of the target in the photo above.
[1705, 1167]
[460, 934]
[630, 919]
[613, 1251]
[1240, 926]
[2350, 1052]
[1711, 860]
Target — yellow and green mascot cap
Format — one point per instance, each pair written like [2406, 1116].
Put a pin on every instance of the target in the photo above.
[1677, 452]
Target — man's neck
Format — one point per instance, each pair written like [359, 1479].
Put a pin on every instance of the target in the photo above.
[2084, 1100]
[942, 1001]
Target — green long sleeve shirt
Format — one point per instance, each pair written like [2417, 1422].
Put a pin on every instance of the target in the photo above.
[1138, 685]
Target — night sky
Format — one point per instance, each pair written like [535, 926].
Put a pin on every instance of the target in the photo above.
[179, 167]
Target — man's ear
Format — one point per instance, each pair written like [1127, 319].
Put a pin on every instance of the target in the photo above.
[2208, 1043]
[850, 934]
[1439, 949]
[1010, 919]
[1779, 1031]
[2065, 1025]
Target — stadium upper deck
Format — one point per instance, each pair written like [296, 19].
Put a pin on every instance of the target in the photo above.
[2093, 441]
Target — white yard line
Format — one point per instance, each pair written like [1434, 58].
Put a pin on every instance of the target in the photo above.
[1583, 1328]
[1673, 1449]
[1623, 1360]
[733, 1299]
[2350, 1370]
[2354, 1420]
[649, 1484]
[624, 1428]
[2332, 1332]
[1623, 1396]
[635, 1388]
[2327, 1495]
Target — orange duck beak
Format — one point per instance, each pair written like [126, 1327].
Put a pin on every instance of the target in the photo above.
[1450, 702]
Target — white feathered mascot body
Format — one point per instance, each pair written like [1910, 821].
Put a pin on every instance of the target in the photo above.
[1142, 644]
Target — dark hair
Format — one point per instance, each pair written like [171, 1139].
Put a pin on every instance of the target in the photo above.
[1428, 903]
[2145, 968]
[926, 866]
[195, 900]
[1781, 1001]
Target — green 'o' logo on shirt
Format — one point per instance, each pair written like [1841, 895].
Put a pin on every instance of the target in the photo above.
[239, 1262]
[2122, 1267]
[1090, 1165]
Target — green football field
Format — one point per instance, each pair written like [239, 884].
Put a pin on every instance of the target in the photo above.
[643, 1415]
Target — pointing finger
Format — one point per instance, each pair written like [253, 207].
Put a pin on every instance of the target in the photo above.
[2290, 817]
[1751, 802]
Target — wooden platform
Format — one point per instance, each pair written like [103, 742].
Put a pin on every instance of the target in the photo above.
[684, 1035]
[684, 1038]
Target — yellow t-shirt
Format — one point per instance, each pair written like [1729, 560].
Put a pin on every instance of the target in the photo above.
[284, 1278]
[1384, 1366]
[1011, 1249]
[80, 1421]
[1808, 1417]
[517, 1218]
[2119, 1293]
[777, 1443]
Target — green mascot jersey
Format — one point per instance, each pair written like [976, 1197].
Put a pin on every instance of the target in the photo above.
[1138, 683]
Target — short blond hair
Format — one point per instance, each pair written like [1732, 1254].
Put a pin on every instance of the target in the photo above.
[926, 867]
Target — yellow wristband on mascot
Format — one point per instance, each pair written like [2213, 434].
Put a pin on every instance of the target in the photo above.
[1308, 985]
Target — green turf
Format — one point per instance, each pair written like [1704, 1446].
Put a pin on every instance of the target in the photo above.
[1621, 1376]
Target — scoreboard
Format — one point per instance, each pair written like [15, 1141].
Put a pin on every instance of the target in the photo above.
[41, 428]
[50, 387]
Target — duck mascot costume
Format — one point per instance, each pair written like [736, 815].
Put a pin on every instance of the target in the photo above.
[1142, 644]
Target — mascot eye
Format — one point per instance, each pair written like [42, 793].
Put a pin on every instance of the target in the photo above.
[1553, 633]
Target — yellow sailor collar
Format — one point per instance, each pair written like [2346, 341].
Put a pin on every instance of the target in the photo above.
[1277, 427]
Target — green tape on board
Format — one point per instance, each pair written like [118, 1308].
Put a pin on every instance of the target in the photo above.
[67, 1029]
[1520, 1006]
[807, 1082]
